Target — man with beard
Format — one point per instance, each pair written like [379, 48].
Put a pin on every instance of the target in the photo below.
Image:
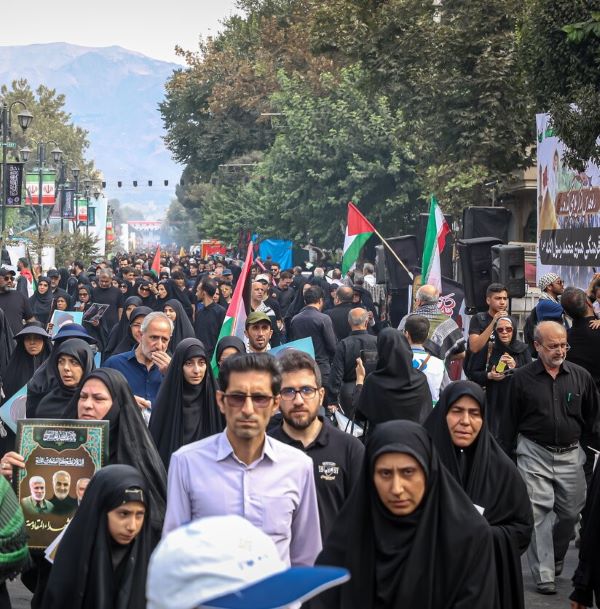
[552, 412]
[337, 456]
[55, 288]
[37, 503]
[144, 366]
[258, 332]
[105, 293]
[62, 502]
[16, 307]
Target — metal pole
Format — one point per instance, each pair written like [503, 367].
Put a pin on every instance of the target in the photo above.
[62, 196]
[40, 168]
[4, 142]
[87, 212]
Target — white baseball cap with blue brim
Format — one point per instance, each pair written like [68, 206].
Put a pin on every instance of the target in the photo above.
[225, 562]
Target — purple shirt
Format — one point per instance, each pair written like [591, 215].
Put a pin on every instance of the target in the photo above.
[276, 493]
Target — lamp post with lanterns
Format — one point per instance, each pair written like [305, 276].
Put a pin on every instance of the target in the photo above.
[56, 157]
[24, 117]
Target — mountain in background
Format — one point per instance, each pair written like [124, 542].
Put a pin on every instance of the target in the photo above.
[114, 94]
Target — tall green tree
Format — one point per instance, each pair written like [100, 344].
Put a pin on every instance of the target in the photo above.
[453, 69]
[339, 145]
[561, 51]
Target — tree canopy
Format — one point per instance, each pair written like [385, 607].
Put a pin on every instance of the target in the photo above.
[298, 106]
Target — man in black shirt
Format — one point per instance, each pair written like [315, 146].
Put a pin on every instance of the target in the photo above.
[209, 318]
[55, 288]
[339, 313]
[482, 324]
[311, 322]
[584, 340]
[337, 456]
[16, 307]
[553, 410]
[343, 369]
[105, 293]
[285, 292]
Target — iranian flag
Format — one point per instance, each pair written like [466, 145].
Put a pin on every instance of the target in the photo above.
[358, 232]
[435, 241]
[234, 323]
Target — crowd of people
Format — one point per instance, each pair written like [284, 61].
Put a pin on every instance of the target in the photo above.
[363, 474]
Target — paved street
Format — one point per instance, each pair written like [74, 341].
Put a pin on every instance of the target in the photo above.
[20, 596]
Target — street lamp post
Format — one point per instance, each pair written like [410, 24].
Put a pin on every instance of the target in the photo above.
[56, 156]
[25, 117]
[75, 173]
[86, 184]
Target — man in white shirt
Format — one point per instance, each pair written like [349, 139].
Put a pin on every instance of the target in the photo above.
[416, 329]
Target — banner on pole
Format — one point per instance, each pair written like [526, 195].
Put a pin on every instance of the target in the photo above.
[568, 212]
[14, 184]
[32, 185]
[68, 203]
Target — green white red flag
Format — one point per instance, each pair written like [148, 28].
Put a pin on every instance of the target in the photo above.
[358, 231]
[234, 323]
[435, 241]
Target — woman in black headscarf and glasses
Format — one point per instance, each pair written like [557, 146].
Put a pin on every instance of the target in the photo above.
[185, 409]
[102, 560]
[408, 533]
[460, 433]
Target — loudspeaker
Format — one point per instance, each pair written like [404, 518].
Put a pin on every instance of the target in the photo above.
[476, 265]
[508, 268]
[446, 257]
[486, 222]
[406, 249]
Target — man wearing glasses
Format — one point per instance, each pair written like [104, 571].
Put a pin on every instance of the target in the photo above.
[552, 412]
[337, 456]
[243, 471]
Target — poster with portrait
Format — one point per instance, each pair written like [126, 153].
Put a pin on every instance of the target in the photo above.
[568, 211]
[62, 318]
[14, 409]
[60, 458]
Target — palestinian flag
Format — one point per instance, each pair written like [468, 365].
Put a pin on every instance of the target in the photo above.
[358, 231]
[234, 323]
[435, 241]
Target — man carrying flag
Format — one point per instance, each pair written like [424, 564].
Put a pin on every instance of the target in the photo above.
[234, 323]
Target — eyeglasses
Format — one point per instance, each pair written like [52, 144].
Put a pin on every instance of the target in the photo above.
[237, 400]
[506, 330]
[289, 393]
[144, 288]
[561, 347]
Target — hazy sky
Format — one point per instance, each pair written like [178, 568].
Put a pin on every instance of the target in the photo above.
[147, 26]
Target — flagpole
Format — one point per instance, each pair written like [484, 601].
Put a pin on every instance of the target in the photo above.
[393, 253]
